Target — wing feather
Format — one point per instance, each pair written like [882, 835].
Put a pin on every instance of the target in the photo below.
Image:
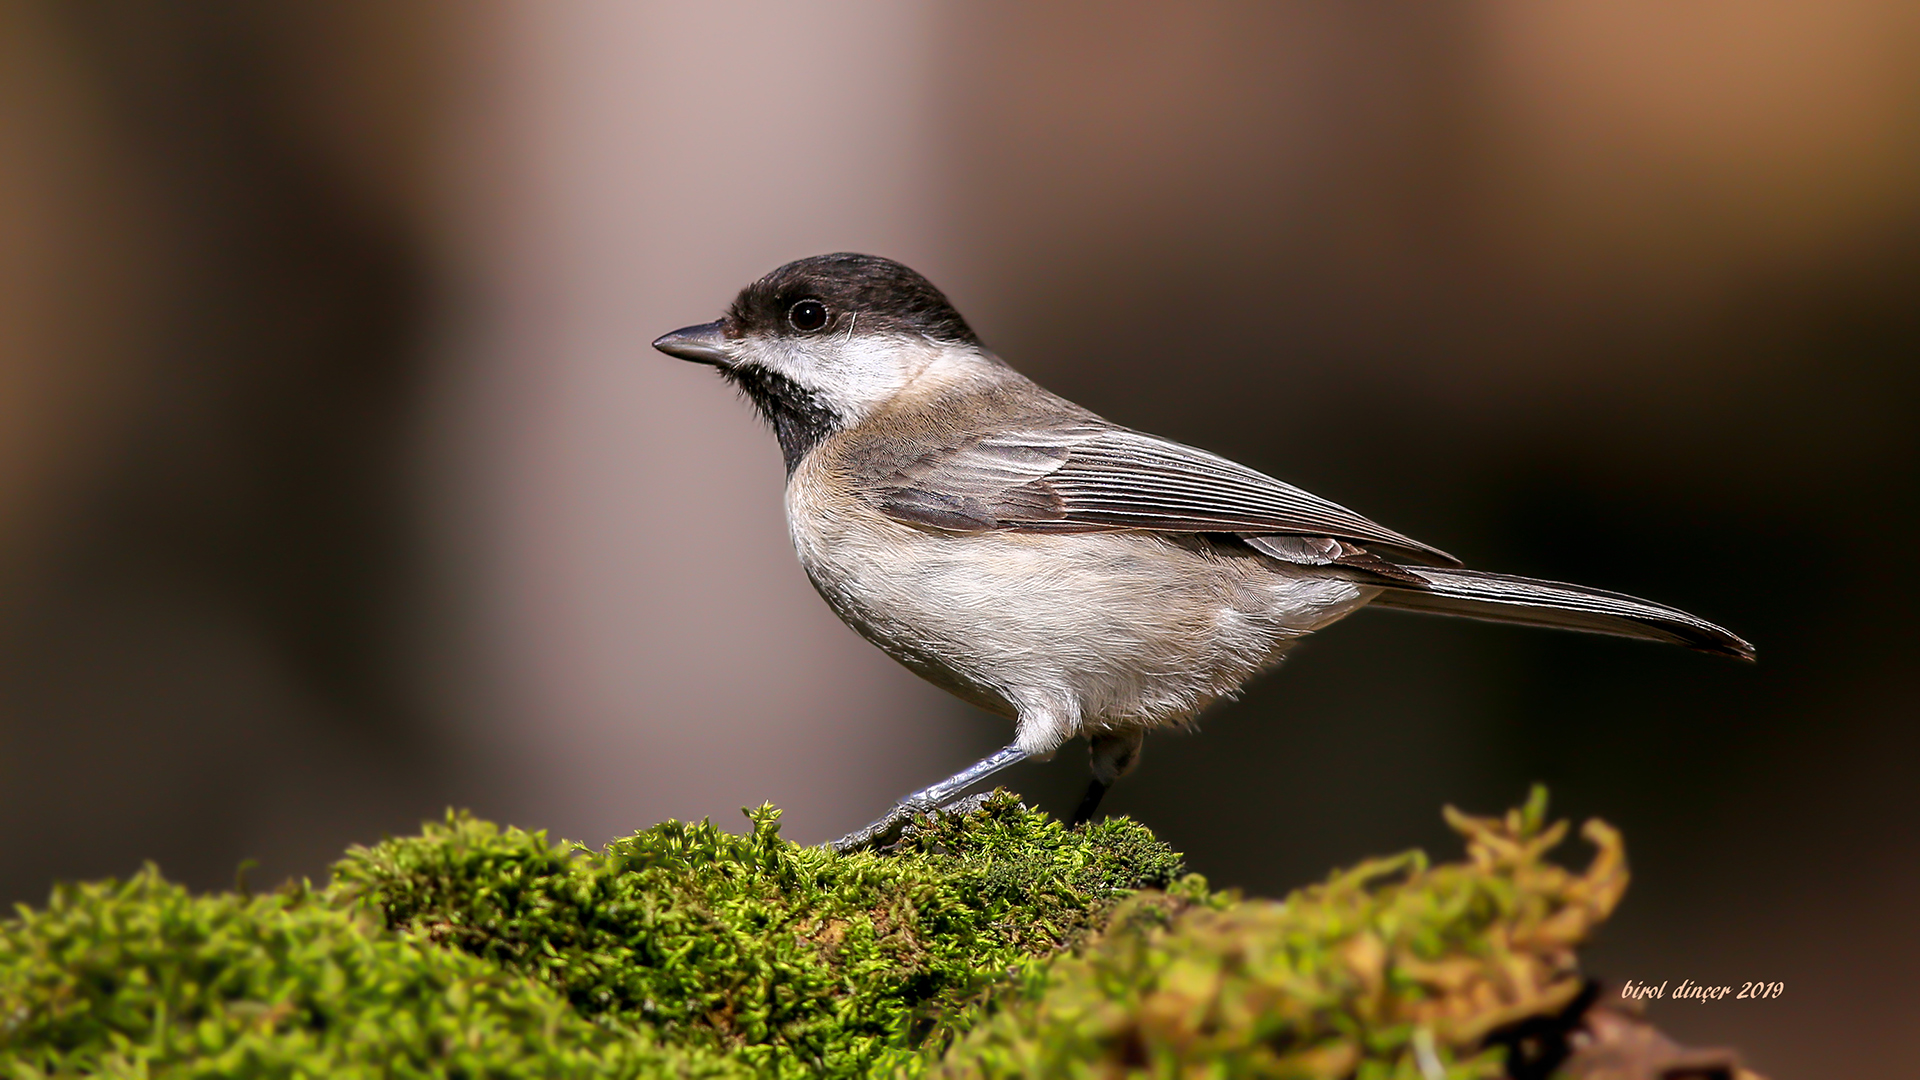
[1086, 477]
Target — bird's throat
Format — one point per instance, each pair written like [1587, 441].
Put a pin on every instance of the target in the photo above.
[800, 419]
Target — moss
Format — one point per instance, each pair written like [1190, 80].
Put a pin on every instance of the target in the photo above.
[993, 944]
[1366, 974]
[799, 961]
[140, 979]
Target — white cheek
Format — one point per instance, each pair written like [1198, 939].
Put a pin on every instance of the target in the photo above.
[853, 376]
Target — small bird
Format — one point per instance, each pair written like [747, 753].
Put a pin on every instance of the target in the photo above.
[1043, 563]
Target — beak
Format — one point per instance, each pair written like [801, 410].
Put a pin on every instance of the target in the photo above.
[703, 344]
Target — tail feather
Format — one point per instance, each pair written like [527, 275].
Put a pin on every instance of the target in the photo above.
[1505, 598]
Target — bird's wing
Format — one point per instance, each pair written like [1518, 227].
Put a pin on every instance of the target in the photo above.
[1085, 477]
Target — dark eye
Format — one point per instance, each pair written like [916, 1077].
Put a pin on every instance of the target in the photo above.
[807, 316]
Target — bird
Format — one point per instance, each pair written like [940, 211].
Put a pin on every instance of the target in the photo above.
[1081, 578]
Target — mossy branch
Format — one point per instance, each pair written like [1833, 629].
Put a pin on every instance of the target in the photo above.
[995, 944]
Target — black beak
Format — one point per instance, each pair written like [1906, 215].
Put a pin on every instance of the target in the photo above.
[701, 344]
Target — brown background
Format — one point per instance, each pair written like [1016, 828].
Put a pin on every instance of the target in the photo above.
[338, 485]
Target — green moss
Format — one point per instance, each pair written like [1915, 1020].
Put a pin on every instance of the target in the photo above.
[1365, 975]
[141, 979]
[798, 961]
[992, 944]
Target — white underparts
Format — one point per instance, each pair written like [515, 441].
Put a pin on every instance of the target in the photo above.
[1071, 634]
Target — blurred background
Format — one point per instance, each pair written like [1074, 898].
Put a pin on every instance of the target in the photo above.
[338, 484]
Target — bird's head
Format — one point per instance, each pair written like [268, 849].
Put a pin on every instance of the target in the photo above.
[821, 343]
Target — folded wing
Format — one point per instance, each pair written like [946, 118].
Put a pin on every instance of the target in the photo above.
[1086, 477]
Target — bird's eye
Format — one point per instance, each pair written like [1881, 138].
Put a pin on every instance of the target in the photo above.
[807, 316]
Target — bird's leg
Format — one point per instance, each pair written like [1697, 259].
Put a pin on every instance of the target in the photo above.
[1114, 754]
[1096, 790]
[927, 799]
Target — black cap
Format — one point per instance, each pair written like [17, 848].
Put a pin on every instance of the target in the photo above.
[864, 293]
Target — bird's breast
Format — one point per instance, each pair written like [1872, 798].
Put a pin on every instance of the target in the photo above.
[1133, 627]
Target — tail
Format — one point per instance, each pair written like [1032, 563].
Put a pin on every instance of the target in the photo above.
[1505, 598]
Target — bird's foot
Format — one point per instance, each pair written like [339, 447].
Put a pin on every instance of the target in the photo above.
[898, 822]
[880, 834]
[887, 831]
